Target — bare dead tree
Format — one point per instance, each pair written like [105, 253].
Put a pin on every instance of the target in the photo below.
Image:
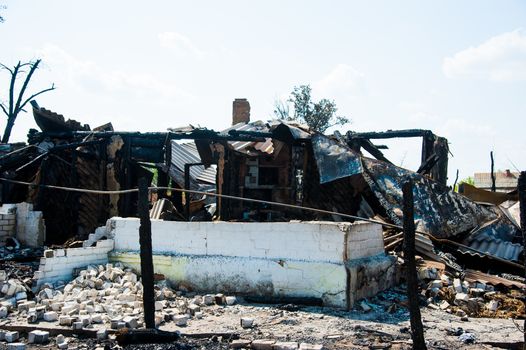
[16, 102]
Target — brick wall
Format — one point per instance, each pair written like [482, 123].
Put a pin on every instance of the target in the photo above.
[7, 225]
[59, 264]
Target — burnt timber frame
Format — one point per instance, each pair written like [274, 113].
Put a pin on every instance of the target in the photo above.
[434, 157]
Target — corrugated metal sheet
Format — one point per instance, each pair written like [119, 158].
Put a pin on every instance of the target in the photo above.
[248, 147]
[186, 153]
[496, 247]
[477, 276]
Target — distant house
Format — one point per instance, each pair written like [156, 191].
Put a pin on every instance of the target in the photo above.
[505, 181]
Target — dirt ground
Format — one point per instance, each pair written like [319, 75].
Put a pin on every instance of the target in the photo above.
[385, 326]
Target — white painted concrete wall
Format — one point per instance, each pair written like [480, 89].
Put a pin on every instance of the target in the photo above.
[310, 241]
[281, 259]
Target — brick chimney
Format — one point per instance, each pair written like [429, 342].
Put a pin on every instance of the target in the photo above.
[240, 111]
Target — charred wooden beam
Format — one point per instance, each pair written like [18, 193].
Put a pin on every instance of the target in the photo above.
[374, 151]
[390, 134]
[145, 240]
[426, 167]
[409, 256]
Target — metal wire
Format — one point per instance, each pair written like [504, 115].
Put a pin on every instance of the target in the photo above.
[292, 206]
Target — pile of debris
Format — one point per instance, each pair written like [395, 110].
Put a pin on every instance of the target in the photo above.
[101, 297]
[472, 293]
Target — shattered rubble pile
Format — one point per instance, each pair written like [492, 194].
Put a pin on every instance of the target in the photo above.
[107, 296]
[466, 297]
[103, 295]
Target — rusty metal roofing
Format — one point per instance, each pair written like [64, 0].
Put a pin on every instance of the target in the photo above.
[477, 276]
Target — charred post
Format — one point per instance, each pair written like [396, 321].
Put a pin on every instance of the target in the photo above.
[493, 187]
[417, 330]
[145, 240]
[521, 187]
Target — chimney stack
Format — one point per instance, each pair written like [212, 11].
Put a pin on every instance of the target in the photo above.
[240, 111]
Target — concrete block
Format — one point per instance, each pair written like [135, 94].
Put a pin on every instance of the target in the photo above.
[78, 325]
[247, 322]
[262, 344]
[11, 337]
[307, 346]
[131, 322]
[102, 334]
[285, 346]
[65, 320]
[50, 316]
[16, 346]
[208, 299]
[25, 306]
[493, 305]
[240, 344]
[457, 285]
[3, 312]
[230, 300]
[180, 320]
[38, 337]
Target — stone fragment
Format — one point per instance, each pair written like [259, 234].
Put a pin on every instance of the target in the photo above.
[307, 346]
[365, 307]
[3, 312]
[262, 344]
[461, 297]
[65, 321]
[435, 284]
[457, 285]
[180, 320]
[493, 305]
[131, 322]
[192, 309]
[230, 300]
[208, 299]
[220, 299]
[50, 316]
[240, 344]
[285, 346]
[247, 322]
[444, 305]
[159, 305]
[11, 337]
[102, 334]
[38, 337]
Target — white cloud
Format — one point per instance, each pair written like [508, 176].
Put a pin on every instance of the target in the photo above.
[89, 76]
[180, 43]
[501, 58]
[343, 81]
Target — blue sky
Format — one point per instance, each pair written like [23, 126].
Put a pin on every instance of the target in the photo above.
[455, 67]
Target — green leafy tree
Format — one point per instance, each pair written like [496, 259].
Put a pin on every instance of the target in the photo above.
[16, 101]
[319, 116]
